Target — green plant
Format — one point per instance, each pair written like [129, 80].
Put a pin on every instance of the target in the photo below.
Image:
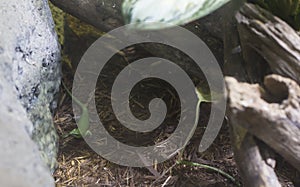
[153, 14]
[83, 122]
[194, 164]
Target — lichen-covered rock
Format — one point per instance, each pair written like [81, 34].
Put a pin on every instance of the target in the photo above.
[29, 64]
[21, 164]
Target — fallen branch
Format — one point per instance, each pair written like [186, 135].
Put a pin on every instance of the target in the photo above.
[271, 114]
[105, 15]
[253, 167]
[265, 36]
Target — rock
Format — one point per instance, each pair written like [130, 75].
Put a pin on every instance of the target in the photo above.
[20, 157]
[29, 82]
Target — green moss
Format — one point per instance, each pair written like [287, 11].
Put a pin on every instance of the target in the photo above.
[75, 36]
[58, 17]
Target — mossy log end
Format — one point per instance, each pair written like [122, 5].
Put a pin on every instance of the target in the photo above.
[105, 14]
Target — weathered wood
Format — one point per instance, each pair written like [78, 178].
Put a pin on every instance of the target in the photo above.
[272, 115]
[107, 15]
[266, 38]
[208, 29]
[233, 61]
[253, 168]
[271, 38]
[103, 14]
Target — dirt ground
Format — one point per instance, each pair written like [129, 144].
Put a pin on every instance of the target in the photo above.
[79, 165]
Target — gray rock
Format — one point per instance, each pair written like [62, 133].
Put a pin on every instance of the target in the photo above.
[29, 82]
[21, 164]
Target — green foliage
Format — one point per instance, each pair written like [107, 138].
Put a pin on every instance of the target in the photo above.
[83, 123]
[194, 164]
[153, 14]
[288, 10]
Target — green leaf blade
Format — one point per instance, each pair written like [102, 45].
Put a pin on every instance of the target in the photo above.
[153, 14]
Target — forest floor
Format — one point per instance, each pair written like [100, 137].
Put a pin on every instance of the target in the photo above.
[79, 165]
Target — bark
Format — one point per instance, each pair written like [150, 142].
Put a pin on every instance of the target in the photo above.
[272, 115]
[107, 15]
[265, 36]
[253, 167]
[103, 14]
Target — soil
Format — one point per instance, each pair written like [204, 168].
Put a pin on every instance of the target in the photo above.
[79, 165]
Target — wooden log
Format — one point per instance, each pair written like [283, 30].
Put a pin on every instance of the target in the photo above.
[266, 39]
[271, 114]
[233, 61]
[253, 167]
[105, 14]
[264, 35]
[98, 14]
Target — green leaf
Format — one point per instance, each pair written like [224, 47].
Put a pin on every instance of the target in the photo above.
[76, 133]
[83, 123]
[154, 14]
[188, 163]
[203, 95]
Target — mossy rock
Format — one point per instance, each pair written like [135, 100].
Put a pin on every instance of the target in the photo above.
[75, 36]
